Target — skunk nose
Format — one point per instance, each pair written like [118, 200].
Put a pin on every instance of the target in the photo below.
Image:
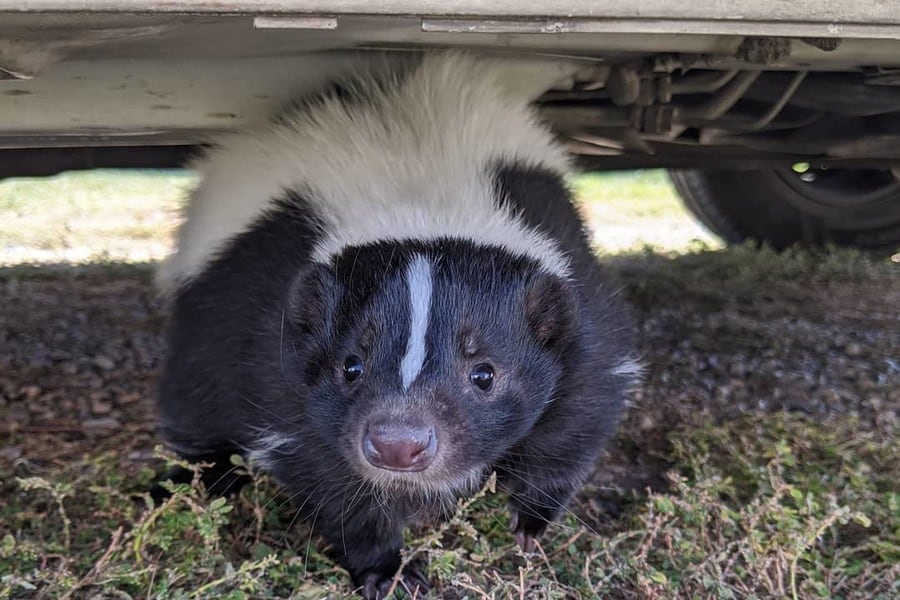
[399, 446]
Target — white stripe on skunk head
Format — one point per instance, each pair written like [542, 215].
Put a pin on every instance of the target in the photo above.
[418, 281]
[409, 158]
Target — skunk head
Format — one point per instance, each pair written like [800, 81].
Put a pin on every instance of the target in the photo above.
[425, 362]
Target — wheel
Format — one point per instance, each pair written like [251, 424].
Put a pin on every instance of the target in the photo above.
[796, 205]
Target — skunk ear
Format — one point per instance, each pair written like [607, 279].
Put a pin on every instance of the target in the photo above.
[313, 299]
[550, 310]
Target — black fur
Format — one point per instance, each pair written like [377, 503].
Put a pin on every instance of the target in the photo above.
[258, 340]
[542, 471]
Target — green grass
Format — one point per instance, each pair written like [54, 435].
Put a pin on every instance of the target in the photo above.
[777, 507]
[92, 216]
[634, 210]
[740, 273]
[635, 194]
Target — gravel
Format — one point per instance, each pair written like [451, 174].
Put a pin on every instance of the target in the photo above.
[80, 350]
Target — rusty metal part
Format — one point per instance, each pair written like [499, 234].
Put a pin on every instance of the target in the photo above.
[776, 108]
[664, 89]
[823, 44]
[624, 85]
[703, 82]
[647, 94]
[657, 120]
[722, 101]
[842, 94]
[568, 118]
[763, 50]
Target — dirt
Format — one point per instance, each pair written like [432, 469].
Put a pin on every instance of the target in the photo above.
[80, 350]
[79, 360]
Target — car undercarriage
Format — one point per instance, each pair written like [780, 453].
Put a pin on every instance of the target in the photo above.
[798, 103]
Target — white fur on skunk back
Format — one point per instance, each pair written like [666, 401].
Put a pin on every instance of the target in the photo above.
[411, 161]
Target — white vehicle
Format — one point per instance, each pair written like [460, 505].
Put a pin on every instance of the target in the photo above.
[782, 118]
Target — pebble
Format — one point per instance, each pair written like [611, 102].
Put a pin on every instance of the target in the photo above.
[100, 403]
[853, 349]
[69, 368]
[101, 424]
[86, 352]
[104, 362]
[875, 402]
[737, 369]
[30, 392]
[129, 398]
[11, 453]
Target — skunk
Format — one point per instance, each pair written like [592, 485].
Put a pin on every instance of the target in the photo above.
[385, 295]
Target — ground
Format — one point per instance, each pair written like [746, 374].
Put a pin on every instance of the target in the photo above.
[759, 458]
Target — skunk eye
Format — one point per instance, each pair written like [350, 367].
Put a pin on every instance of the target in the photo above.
[482, 376]
[353, 368]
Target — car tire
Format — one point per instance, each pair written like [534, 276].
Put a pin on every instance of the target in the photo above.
[782, 207]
